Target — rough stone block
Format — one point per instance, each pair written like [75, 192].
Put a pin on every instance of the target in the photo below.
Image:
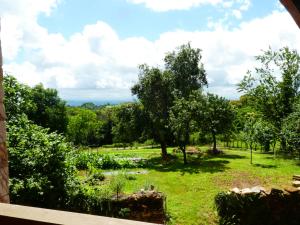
[296, 183]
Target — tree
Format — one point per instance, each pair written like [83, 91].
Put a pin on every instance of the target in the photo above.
[42, 106]
[154, 91]
[291, 130]
[4, 190]
[130, 123]
[49, 110]
[271, 97]
[249, 131]
[265, 134]
[187, 71]
[217, 116]
[106, 114]
[182, 119]
[157, 89]
[18, 97]
[83, 128]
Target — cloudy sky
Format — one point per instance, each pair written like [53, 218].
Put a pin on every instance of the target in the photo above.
[90, 50]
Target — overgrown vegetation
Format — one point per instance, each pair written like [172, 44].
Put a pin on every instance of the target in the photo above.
[52, 164]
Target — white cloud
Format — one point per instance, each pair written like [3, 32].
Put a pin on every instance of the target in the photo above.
[237, 14]
[168, 5]
[96, 64]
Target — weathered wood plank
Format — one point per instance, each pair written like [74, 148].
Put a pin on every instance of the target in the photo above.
[23, 215]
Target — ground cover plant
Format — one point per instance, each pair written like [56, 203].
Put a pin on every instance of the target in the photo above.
[191, 188]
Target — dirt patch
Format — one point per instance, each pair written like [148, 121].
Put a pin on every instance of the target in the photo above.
[239, 179]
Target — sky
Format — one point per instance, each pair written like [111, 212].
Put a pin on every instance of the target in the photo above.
[90, 50]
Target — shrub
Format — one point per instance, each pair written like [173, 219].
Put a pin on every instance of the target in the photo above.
[117, 184]
[99, 161]
[39, 168]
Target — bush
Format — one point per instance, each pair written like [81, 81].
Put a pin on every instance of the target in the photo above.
[109, 162]
[40, 172]
[100, 161]
[117, 184]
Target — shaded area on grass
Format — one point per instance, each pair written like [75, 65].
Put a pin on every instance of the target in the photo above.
[265, 166]
[229, 156]
[195, 165]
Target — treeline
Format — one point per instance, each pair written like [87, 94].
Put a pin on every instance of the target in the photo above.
[172, 108]
[269, 111]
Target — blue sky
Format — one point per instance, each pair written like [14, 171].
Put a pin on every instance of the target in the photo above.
[90, 50]
[137, 20]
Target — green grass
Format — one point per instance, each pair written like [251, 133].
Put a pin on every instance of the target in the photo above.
[191, 188]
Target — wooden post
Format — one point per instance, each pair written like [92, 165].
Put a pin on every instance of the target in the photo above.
[4, 189]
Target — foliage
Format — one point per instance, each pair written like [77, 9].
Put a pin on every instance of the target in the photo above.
[216, 117]
[40, 173]
[274, 98]
[117, 184]
[291, 130]
[95, 177]
[264, 133]
[275, 208]
[158, 89]
[187, 71]
[238, 209]
[182, 120]
[50, 110]
[130, 123]
[17, 99]
[103, 161]
[84, 128]
[154, 91]
[42, 106]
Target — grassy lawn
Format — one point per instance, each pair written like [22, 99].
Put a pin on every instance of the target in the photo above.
[191, 188]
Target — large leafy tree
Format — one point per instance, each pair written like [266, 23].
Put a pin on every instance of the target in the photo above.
[217, 116]
[273, 98]
[49, 110]
[83, 127]
[130, 123]
[154, 90]
[291, 130]
[187, 71]
[157, 89]
[42, 105]
[182, 119]
[265, 134]
[18, 97]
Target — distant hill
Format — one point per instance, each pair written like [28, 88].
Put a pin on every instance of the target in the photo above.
[98, 103]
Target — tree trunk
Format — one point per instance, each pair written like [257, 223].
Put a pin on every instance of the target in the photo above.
[274, 149]
[215, 142]
[164, 152]
[184, 155]
[283, 145]
[4, 190]
[251, 153]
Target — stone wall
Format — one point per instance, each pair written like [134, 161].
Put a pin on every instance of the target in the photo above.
[255, 206]
[146, 206]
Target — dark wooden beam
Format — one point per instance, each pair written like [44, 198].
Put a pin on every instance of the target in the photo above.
[293, 7]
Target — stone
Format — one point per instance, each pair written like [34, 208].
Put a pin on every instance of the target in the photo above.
[246, 191]
[258, 189]
[235, 190]
[296, 183]
[296, 177]
[292, 190]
